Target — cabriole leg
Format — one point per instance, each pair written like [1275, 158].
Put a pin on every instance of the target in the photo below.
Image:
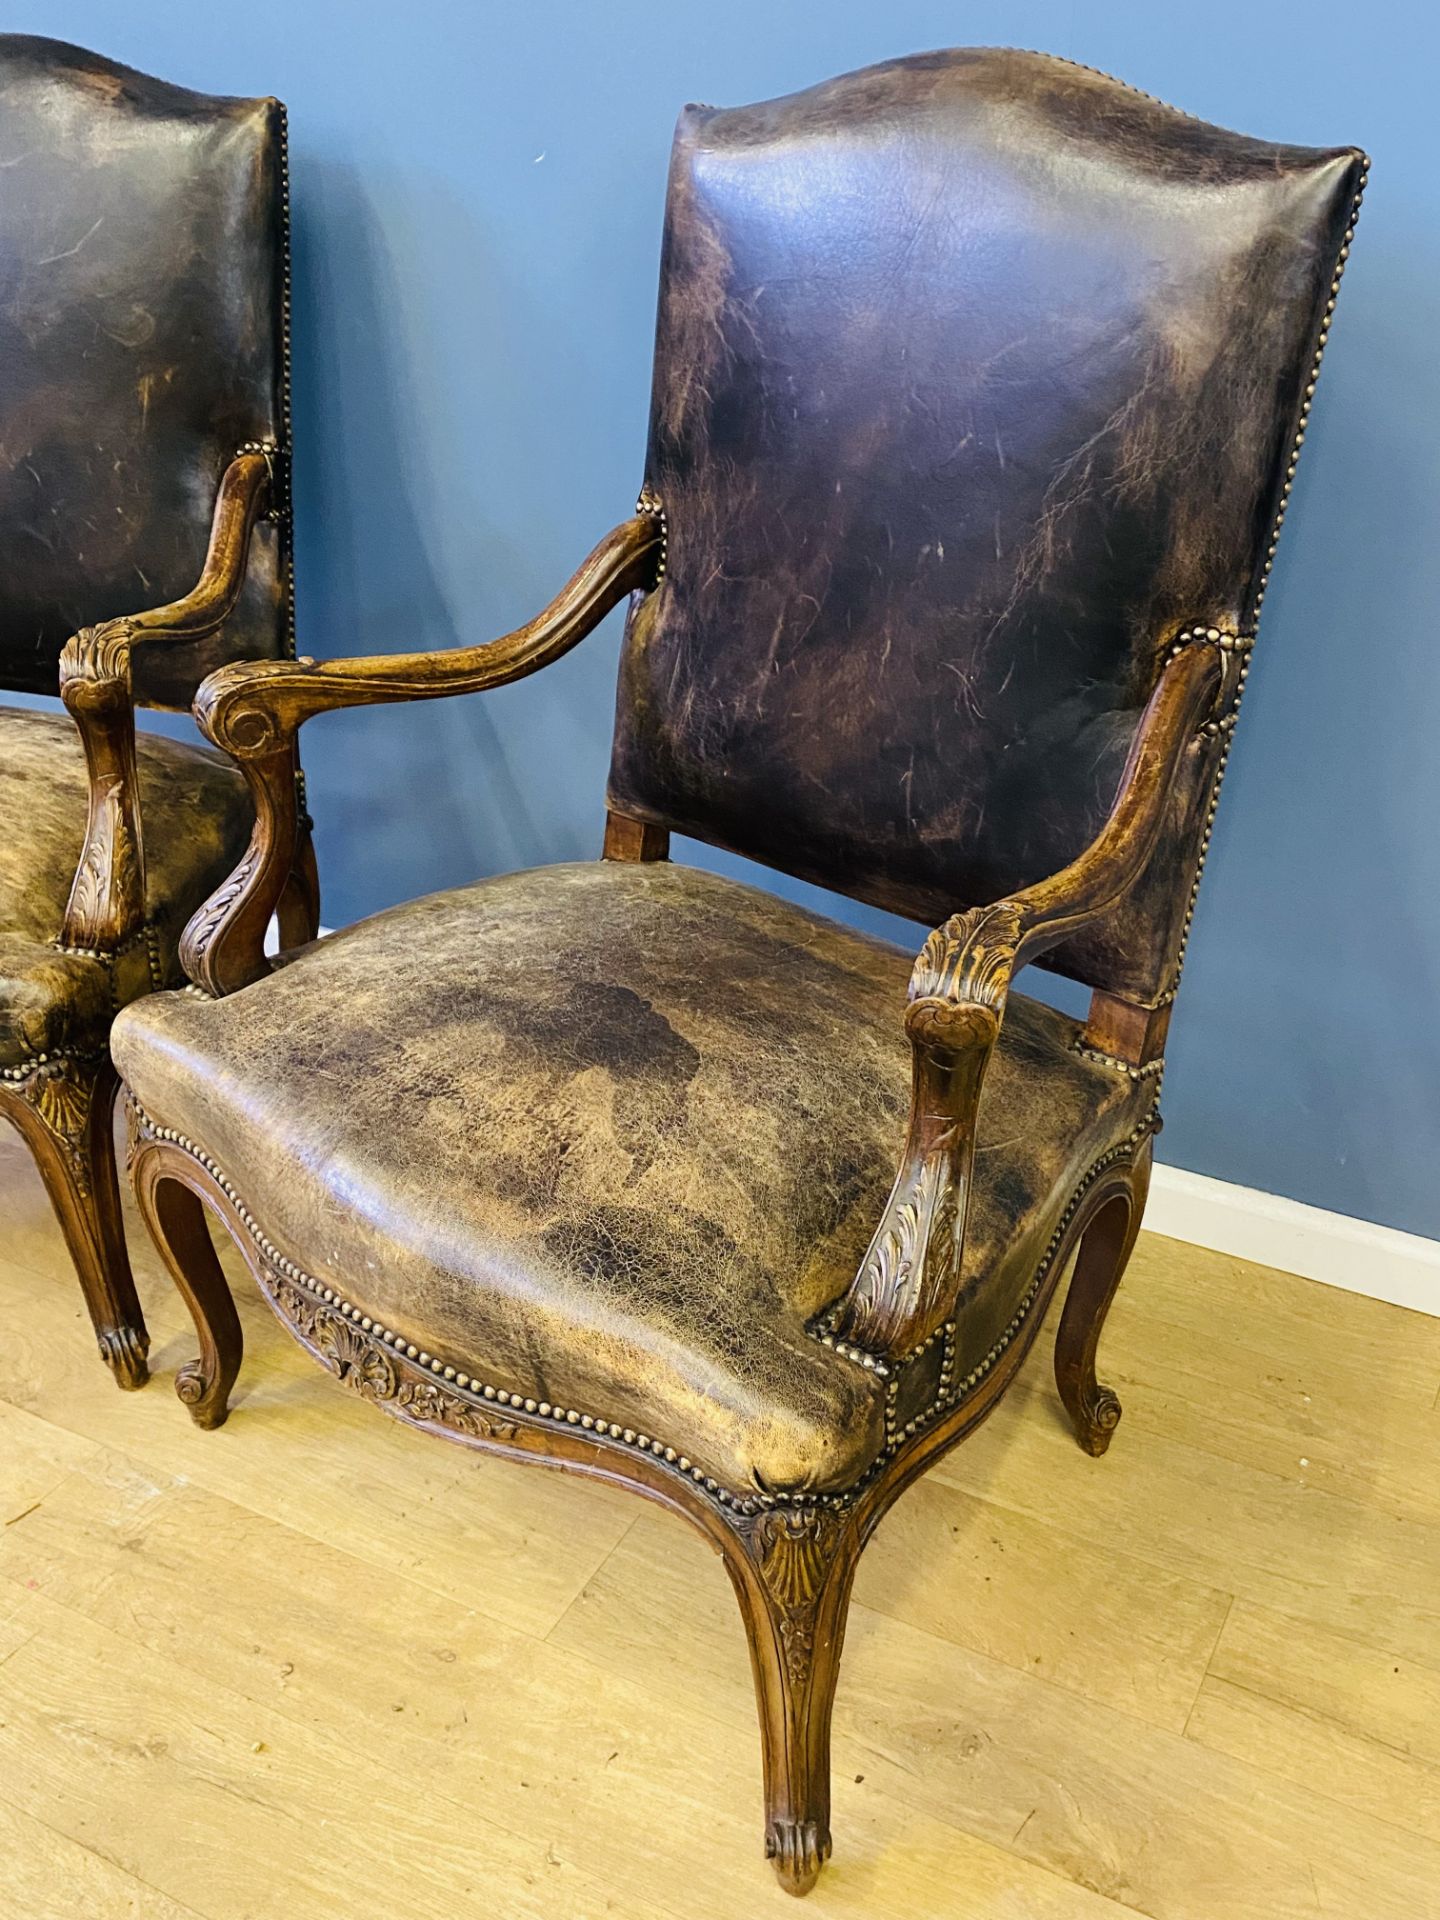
[793, 1576]
[175, 1216]
[65, 1112]
[1100, 1264]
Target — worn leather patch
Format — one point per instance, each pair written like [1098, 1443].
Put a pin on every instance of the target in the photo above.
[975, 381]
[614, 1136]
[197, 816]
[142, 250]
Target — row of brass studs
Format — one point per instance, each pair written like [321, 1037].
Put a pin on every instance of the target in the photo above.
[947, 1393]
[1300, 427]
[107, 956]
[653, 507]
[466, 1383]
[1152, 1069]
[49, 1064]
[287, 532]
[1058, 59]
[1304, 420]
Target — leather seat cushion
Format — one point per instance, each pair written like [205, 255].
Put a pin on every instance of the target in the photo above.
[195, 815]
[610, 1136]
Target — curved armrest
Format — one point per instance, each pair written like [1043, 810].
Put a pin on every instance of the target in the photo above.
[907, 1282]
[107, 897]
[255, 709]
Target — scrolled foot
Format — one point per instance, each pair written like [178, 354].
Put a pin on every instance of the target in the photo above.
[124, 1350]
[797, 1849]
[1097, 1420]
[207, 1399]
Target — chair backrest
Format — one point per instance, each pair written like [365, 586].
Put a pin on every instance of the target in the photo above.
[143, 284]
[977, 384]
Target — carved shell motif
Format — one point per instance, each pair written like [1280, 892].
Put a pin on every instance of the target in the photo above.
[63, 1104]
[354, 1359]
[796, 1551]
[794, 1558]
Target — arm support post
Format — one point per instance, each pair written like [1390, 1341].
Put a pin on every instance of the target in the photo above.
[908, 1280]
[107, 897]
[253, 710]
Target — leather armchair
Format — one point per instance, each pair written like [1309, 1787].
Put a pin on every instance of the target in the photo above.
[978, 385]
[143, 354]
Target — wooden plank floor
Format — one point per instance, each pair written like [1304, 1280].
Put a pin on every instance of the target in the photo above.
[316, 1665]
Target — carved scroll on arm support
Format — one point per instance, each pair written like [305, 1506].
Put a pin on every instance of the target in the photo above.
[254, 711]
[107, 897]
[907, 1283]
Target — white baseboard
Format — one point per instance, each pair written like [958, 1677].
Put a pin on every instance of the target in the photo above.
[1403, 1268]
[272, 935]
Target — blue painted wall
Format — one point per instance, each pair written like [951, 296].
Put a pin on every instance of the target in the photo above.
[477, 199]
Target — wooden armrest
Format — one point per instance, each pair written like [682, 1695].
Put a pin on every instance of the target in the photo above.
[107, 896]
[253, 710]
[907, 1283]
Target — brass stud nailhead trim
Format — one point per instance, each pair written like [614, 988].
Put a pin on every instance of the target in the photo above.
[944, 1401]
[1151, 1069]
[51, 1063]
[287, 534]
[653, 507]
[948, 1393]
[1224, 638]
[147, 934]
[542, 1409]
[1226, 730]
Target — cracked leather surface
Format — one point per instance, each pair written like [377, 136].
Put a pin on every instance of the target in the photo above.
[196, 813]
[975, 378]
[141, 311]
[610, 1136]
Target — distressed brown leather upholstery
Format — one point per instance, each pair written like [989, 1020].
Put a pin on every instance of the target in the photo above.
[141, 346]
[973, 386]
[974, 381]
[143, 356]
[612, 1137]
[197, 816]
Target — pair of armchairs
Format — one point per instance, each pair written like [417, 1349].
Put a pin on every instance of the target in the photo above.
[978, 388]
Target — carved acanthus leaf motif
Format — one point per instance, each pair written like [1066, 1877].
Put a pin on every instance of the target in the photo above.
[207, 922]
[424, 1400]
[108, 880]
[902, 1236]
[364, 1363]
[970, 958]
[98, 653]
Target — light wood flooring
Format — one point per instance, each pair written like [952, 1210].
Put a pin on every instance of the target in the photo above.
[316, 1665]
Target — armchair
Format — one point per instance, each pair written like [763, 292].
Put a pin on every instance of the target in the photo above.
[142, 243]
[943, 580]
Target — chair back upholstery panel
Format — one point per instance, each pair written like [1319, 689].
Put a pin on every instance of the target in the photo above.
[142, 344]
[976, 379]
